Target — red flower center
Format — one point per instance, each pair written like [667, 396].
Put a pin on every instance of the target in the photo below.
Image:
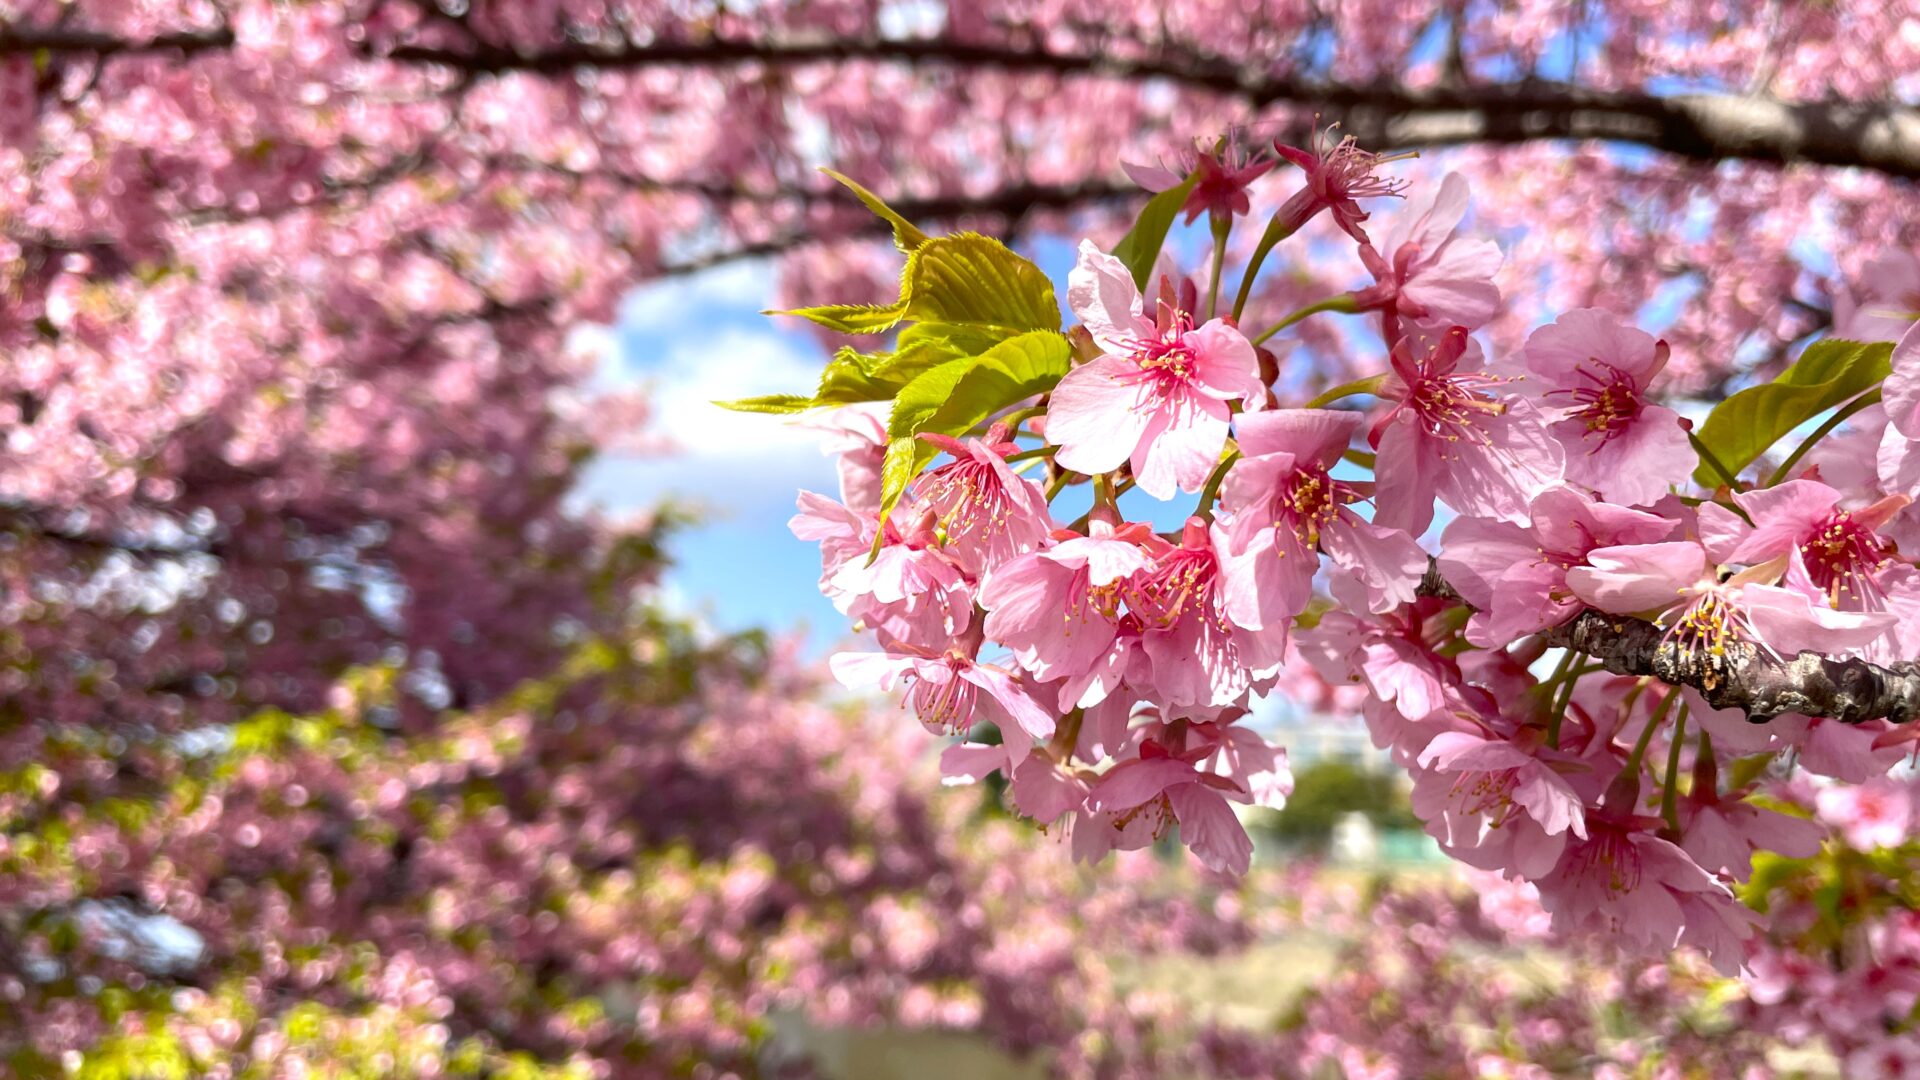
[1608, 400]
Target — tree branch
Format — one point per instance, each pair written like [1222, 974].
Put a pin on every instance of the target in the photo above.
[1749, 679]
[1383, 115]
[1699, 126]
[54, 39]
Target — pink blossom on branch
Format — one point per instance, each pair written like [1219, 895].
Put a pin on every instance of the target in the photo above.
[1287, 508]
[1157, 395]
[1339, 174]
[1591, 375]
[1221, 178]
[1423, 272]
[985, 513]
[1516, 578]
[1160, 789]
[1445, 434]
[946, 689]
[1058, 609]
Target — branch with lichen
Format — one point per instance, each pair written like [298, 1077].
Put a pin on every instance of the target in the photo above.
[1747, 678]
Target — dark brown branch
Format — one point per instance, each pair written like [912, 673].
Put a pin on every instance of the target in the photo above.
[1749, 679]
[1704, 126]
[50, 39]
[1700, 126]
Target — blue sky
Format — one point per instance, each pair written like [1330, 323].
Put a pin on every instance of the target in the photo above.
[693, 340]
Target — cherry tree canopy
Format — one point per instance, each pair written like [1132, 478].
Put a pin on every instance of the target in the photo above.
[288, 397]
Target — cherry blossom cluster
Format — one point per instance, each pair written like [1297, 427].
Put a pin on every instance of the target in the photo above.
[1425, 533]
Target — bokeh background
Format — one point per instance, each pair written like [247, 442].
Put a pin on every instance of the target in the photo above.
[406, 671]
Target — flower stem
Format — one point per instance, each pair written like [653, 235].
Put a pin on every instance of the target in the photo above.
[1563, 680]
[1079, 524]
[1204, 509]
[1059, 483]
[1277, 230]
[1222, 225]
[1668, 809]
[1653, 724]
[1714, 462]
[1368, 385]
[1344, 303]
[1839, 417]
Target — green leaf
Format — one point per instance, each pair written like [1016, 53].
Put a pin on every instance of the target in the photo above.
[1009, 373]
[956, 396]
[967, 279]
[957, 339]
[1830, 372]
[917, 351]
[852, 376]
[769, 403]
[1141, 246]
[906, 236]
[978, 282]
[906, 456]
[851, 318]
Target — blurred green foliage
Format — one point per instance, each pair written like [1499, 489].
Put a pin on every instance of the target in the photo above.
[1326, 790]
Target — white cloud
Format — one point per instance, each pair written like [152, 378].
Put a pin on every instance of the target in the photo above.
[741, 286]
[691, 342]
[700, 369]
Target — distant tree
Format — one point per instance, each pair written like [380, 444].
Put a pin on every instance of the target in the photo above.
[1327, 790]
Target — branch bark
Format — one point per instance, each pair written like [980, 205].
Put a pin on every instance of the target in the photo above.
[1755, 682]
[1749, 679]
[1699, 126]
[15, 40]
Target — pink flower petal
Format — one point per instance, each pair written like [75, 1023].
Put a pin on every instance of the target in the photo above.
[1639, 577]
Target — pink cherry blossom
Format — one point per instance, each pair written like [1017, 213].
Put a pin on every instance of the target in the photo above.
[1241, 755]
[909, 588]
[1446, 435]
[1516, 578]
[1871, 815]
[1494, 804]
[1044, 791]
[1339, 173]
[1058, 609]
[1220, 190]
[1883, 303]
[986, 514]
[1835, 556]
[1888, 1058]
[1423, 272]
[1157, 396]
[1624, 882]
[1393, 656]
[1592, 374]
[1161, 789]
[1287, 508]
[1200, 656]
[1900, 394]
[1721, 833]
[946, 687]
[1706, 615]
[857, 436]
